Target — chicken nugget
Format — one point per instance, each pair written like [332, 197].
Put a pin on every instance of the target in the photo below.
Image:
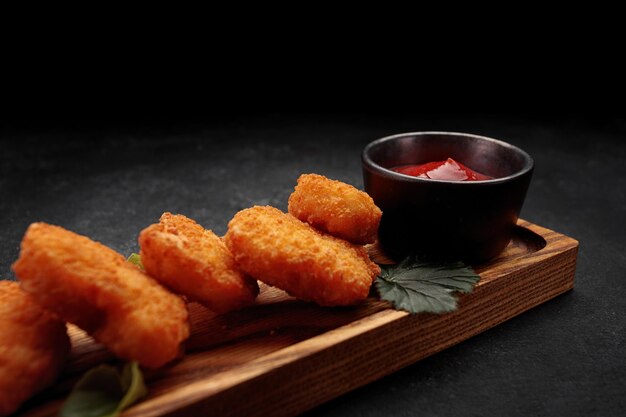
[193, 261]
[336, 208]
[280, 250]
[94, 287]
[33, 347]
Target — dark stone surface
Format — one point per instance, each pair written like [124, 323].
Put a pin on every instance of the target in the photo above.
[564, 358]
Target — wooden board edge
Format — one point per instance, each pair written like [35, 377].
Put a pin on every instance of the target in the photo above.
[327, 373]
[550, 235]
[200, 390]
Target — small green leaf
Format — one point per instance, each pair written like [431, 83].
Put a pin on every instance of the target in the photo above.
[105, 392]
[135, 259]
[418, 286]
[133, 384]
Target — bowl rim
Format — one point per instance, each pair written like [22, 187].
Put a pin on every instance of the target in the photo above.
[369, 163]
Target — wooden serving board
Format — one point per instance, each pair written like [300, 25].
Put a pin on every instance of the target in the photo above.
[283, 356]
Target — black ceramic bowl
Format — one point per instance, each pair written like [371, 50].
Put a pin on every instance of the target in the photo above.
[468, 220]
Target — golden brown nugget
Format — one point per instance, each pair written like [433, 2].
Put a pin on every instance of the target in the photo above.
[94, 287]
[33, 347]
[193, 261]
[282, 251]
[336, 208]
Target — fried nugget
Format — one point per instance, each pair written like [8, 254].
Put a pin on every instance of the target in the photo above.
[280, 250]
[193, 261]
[336, 208]
[33, 347]
[94, 287]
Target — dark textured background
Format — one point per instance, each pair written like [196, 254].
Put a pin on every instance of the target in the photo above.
[108, 180]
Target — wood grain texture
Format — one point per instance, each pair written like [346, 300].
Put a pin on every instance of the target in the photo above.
[283, 356]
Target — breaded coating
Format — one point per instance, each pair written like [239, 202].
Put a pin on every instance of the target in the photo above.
[193, 261]
[336, 208]
[33, 347]
[280, 250]
[94, 287]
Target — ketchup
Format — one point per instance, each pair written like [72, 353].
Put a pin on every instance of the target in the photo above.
[448, 170]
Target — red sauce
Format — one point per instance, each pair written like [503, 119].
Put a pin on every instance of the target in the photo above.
[449, 170]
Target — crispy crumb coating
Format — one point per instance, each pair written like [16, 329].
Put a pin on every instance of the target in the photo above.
[282, 251]
[33, 347]
[336, 208]
[193, 261]
[94, 287]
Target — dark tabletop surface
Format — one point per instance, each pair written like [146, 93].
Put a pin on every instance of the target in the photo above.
[566, 357]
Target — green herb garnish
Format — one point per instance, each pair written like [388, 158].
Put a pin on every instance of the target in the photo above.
[105, 392]
[420, 286]
[135, 259]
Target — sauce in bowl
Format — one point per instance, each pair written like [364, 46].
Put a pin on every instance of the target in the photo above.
[448, 170]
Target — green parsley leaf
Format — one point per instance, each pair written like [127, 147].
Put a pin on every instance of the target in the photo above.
[420, 286]
[135, 259]
[105, 392]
